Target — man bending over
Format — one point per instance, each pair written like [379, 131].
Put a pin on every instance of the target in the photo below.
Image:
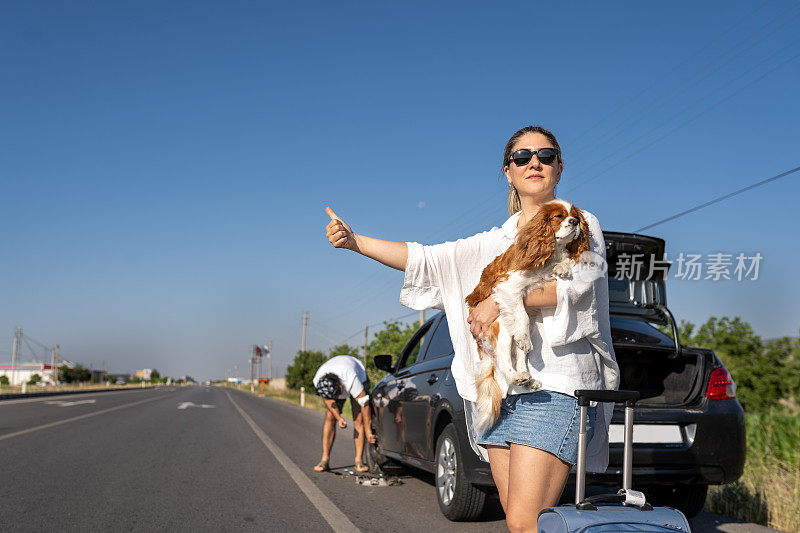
[337, 379]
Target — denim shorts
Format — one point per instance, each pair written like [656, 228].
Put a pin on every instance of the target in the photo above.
[543, 419]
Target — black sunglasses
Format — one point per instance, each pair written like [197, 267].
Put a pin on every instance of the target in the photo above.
[523, 156]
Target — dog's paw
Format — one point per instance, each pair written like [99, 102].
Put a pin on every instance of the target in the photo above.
[533, 384]
[521, 378]
[523, 342]
[562, 270]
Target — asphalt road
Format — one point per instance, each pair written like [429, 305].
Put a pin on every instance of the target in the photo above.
[202, 459]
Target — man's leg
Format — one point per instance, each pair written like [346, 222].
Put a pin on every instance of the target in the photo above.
[358, 435]
[328, 436]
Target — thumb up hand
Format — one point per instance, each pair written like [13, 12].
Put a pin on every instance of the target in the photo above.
[339, 233]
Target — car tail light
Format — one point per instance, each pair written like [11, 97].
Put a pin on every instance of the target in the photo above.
[721, 385]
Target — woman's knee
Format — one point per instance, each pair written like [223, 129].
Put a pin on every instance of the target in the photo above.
[519, 521]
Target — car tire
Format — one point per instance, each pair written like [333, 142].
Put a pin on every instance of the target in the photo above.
[688, 499]
[459, 500]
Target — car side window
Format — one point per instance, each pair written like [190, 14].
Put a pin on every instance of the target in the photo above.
[440, 344]
[417, 344]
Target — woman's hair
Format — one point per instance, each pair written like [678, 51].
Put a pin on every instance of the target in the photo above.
[514, 203]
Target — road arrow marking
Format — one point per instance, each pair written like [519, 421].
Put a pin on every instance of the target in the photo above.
[184, 405]
[64, 403]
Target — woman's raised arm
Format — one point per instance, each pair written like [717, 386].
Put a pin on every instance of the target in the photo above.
[391, 253]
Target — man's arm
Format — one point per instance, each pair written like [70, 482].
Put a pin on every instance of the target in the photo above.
[334, 410]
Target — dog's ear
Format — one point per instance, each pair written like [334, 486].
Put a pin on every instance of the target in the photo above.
[536, 242]
[582, 243]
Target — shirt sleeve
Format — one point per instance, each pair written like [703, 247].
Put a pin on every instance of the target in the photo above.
[576, 313]
[432, 270]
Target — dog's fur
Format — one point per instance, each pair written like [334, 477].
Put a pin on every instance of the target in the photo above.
[557, 235]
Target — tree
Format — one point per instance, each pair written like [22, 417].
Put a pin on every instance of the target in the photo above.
[155, 376]
[764, 372]
[4, 380]
[390, 340]
[35, 378]
[72, 375]
[345, 349]
[301, 372]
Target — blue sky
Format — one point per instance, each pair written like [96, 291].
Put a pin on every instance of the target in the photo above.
[165, 166]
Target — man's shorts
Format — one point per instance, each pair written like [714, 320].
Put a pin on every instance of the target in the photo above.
[354, 406]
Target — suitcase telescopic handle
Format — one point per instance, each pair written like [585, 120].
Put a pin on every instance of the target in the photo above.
[627, 397]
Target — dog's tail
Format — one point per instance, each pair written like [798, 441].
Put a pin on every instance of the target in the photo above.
[489, 396]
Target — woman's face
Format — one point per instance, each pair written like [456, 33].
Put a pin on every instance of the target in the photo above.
[535, 179]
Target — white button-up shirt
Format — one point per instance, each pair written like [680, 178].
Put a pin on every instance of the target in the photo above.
[572, 346]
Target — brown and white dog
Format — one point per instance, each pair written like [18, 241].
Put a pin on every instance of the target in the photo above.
[545, 247]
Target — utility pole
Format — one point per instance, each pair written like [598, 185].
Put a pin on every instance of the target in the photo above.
[366, 337]
[236, 372]
[260, 356]
[305, 323]
[55, 365]
[269, 361]
[252, 360]
[421, 317]
[15, 353]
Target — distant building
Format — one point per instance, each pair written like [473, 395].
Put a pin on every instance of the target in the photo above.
[24, 371]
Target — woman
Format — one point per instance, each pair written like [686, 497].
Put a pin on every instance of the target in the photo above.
[533, 444]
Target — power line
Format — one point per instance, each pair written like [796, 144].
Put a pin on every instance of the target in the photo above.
[658, 103]
[715, 200]
[673, 69]
[378, 324]
[679, 126]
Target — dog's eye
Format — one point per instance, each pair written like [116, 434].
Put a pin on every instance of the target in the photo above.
[558, 216]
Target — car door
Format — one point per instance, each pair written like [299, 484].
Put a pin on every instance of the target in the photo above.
[395, 390]
[425, 378]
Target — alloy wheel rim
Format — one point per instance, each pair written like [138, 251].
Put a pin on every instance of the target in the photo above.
[446, 469]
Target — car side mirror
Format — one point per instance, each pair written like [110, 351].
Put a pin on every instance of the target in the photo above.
[383, 362]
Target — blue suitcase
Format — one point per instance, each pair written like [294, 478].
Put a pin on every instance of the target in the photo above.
[625, 511]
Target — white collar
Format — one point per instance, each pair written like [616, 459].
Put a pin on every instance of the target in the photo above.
[509, 227]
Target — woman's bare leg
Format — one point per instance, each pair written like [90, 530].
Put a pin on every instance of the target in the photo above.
[536, 480]
[498, 460]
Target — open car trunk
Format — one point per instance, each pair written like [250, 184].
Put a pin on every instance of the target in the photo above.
[648, 364]
[651, 362]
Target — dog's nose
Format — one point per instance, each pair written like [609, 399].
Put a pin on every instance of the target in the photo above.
[573, 221]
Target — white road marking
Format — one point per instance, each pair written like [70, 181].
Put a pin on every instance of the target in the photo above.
[45, 398]
[335, 518]
[64, 403]
[184, 405]
[75, 418]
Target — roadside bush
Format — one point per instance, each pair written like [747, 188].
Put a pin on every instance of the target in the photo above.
[301, 372]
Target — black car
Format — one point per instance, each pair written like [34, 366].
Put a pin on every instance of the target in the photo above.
[689, 428]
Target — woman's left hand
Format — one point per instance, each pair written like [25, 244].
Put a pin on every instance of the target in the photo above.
[482, 316]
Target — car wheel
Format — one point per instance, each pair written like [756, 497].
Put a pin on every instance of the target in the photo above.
[458, 499]
[688, 499]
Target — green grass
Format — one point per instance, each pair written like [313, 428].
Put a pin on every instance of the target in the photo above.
[768, 491]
